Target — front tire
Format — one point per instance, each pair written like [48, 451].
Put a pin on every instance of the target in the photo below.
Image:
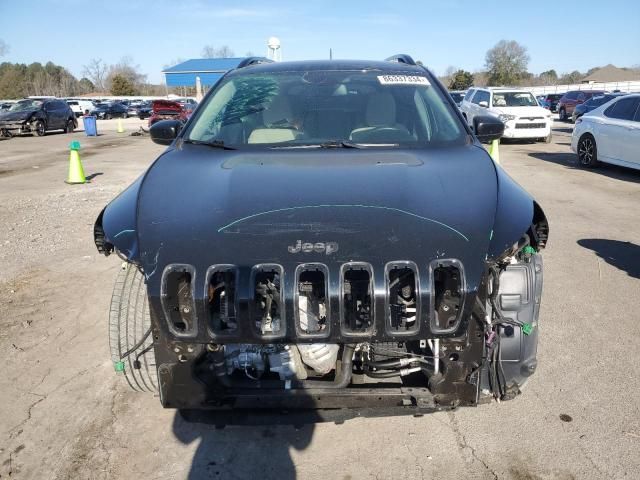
[70, 127]
[562, 114]
[587, 151]
[39, 128]
[129, 321]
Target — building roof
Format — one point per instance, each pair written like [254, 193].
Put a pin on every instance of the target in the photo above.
[611, 73]
[208, 69]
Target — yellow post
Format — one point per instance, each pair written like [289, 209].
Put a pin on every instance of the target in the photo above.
[76, 172]
[120, 127]
[494, 151]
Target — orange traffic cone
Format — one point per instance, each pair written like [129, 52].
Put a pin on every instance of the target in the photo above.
[76, 172]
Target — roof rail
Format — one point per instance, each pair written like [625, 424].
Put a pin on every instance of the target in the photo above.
[253, 61]
[401, 58]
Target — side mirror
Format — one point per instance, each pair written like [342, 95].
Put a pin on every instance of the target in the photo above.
[487, 128]
[165, 131]
[484, 104]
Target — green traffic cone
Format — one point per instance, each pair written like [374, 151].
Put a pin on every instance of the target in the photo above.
[76, 172]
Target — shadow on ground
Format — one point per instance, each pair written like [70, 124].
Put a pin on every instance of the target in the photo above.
[622, 255]
[93, 175]
[237, 446]
[569, 160]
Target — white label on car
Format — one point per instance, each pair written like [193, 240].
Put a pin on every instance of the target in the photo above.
[403, 80]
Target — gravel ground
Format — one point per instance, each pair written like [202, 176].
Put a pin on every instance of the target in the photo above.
[64, 414]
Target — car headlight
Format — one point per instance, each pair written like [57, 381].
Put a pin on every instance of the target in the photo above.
[504, 117]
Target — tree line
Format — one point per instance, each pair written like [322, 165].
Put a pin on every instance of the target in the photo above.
[506, 64]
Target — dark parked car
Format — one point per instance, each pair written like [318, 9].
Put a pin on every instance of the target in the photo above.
[144, 110]
[457, 96]
[569, 100]
[304, 243]
[107, 111]
[550, 101]
[37, 116]
[592, 103]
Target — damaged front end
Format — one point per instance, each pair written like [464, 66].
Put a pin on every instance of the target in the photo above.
[367, 305]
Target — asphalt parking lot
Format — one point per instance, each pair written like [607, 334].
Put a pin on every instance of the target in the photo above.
[65, 414]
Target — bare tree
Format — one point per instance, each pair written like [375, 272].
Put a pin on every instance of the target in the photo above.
[506, 63]
[173, 62]
[209, 51]
[130, 71]
[448, 75]
[96, 71]
[4, 48]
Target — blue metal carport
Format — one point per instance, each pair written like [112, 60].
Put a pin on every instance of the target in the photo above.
[208, 69]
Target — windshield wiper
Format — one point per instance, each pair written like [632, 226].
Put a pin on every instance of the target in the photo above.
[339, 144]
[333, 144]
[213, 143]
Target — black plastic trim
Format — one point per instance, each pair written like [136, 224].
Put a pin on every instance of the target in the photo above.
[387, 303]
[309, 267]
[357, 266]
[266, 267]
[445, 262]
[179, 267]
[223, 267]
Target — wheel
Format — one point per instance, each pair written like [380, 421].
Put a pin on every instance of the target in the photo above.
[125, 115]
[70, 127]
[562, 114]
[6, 133]
[39, 128]
[107, 116]
[548, 138]
[587, 151]
[129, 321]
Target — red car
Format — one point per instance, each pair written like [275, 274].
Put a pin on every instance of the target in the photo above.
[572, 98]
[168, 110]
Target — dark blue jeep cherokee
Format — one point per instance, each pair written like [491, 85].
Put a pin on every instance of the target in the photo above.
[325, 235]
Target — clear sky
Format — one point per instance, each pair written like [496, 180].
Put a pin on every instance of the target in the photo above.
[563, 35]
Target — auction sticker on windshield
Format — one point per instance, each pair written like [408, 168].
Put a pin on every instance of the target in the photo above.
[403, 80]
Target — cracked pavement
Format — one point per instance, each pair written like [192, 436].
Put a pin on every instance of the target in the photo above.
[64, 414]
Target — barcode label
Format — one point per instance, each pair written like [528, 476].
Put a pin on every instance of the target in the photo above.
[403, 80]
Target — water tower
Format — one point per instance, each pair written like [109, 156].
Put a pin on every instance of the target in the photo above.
[273, 49]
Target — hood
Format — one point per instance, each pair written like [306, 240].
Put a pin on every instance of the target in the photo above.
[522, 112]
[166, 106]
[17, 116]
[203, 207]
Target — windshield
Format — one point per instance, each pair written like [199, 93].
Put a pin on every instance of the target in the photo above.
[514, 99]
[601, 100]
[294, 109]
[25, 105]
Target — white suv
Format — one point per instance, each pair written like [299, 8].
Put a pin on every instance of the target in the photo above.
[519, 110]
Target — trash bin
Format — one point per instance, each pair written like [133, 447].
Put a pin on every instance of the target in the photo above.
[90, 125]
